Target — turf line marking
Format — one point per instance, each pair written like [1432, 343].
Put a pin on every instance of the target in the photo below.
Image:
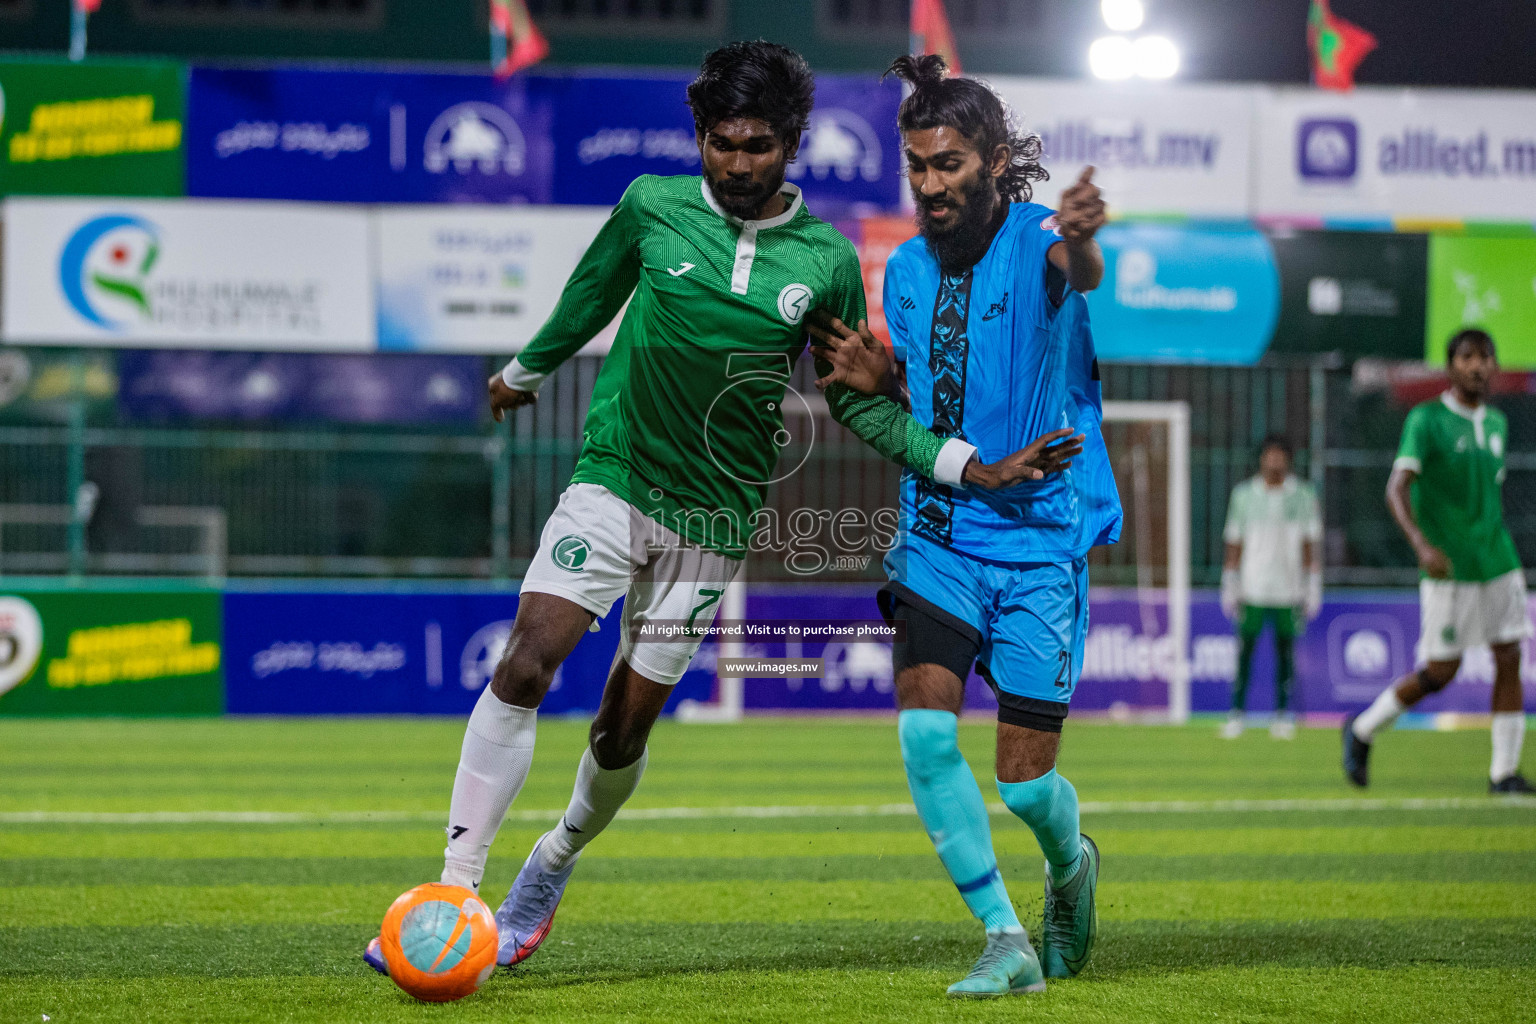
[705, 813]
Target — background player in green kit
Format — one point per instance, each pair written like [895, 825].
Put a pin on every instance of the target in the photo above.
[1273, 574]
[681, 438]
[1446, 492]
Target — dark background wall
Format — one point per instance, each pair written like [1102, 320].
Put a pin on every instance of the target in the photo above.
[1423, 42]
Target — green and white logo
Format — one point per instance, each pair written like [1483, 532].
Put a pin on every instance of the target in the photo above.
[1483, 282]
[571, 553]
[794, 303]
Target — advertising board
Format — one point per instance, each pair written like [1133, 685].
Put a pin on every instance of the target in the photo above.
[111, 653]
[182, 273]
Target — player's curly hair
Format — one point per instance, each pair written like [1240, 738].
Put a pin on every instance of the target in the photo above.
[1469, 336]
[974, 110]
[758, 79]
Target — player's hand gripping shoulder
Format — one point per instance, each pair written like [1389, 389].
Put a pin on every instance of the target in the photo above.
[504, 399]
[1051, 453]
[859, 360]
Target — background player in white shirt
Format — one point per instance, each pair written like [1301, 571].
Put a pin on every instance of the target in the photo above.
[1273, 573]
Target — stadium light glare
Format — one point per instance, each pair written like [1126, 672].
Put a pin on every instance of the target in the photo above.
[1123, 15]
[1112, 58]
[1155, 57]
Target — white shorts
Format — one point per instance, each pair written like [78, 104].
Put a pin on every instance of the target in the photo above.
[1454, 616]
[596, 546]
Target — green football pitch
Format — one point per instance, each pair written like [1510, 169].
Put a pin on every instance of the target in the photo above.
[232, 870]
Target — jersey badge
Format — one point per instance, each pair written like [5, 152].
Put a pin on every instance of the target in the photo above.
[794, 301]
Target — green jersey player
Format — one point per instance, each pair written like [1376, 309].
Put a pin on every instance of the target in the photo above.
[1446, 492]
[681, 439]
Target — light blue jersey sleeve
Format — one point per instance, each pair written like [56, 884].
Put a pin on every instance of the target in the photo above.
[895, 317]
[1037, 234]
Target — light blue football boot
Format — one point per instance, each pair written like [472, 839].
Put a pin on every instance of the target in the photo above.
[1008, 967]
[525, 916]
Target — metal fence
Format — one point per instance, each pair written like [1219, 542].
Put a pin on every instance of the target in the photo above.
[295, 500]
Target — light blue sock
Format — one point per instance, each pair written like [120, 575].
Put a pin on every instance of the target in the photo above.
[949, 802]
[1048, 805]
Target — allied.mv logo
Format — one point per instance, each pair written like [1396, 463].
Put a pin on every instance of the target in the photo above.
[104, 269]
[571, 553]
[1327, 149]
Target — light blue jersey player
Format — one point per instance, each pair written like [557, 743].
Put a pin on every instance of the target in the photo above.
[986, 311]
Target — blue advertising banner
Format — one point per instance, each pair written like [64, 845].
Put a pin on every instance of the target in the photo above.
[850, 158]
[610, 131]
[1185, 294]
[368, 137]
[414, 653]
[365, 653]
[580, 139]
[167, 386]
[303, 653]
[1346, 657]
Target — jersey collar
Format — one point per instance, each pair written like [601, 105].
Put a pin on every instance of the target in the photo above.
[795, 203]
[1469, 412]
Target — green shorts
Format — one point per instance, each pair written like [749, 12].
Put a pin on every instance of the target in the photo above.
[1251, 622]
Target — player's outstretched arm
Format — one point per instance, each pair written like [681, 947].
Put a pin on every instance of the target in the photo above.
[592, 297]
[1081, 215]
[1051, 453]
[1432, 560]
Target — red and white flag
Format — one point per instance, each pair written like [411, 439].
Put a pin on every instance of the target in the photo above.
[516, 42]
[931, 32]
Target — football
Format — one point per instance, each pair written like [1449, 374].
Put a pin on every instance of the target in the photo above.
[439, 942]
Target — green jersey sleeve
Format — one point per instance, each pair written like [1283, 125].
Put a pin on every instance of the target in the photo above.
[1413, 449]
[596, 291]
[877, 420]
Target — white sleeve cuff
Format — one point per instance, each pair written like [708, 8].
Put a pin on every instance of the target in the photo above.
[949, 467]
[518, 377]
[1409, 463]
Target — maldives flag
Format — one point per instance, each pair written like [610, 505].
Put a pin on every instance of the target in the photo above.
[516, 42]
[1337, 47]
[931, 33]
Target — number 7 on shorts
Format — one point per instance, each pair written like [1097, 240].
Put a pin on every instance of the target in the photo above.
[710, 597]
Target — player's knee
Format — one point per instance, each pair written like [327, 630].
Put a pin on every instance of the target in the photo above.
[1032, 799]
[524, 675]
[1436, 677]
[929, 739]
[617, 745]
[1506, 657]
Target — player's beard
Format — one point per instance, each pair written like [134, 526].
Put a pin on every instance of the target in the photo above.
[745, 199]
[960, 245]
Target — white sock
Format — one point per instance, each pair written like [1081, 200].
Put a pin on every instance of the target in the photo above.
[1508, 736]
[598, 795]
[498, 748]
[1382, 713]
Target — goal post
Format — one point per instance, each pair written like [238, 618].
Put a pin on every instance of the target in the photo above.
[1172, 418]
